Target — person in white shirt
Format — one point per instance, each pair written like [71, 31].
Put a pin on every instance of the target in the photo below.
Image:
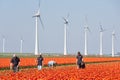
[52, 63]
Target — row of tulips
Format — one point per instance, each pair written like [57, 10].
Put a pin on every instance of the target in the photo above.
[103, 71]
[4, 62]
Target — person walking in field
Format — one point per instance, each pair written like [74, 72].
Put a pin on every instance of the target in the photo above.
[39, 62]
[79, 61]
[14, 63]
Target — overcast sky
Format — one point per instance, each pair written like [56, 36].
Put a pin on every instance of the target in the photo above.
[16, 21]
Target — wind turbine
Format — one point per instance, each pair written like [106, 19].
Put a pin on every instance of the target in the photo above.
[86, 29]
[3, 44]
[113, 43]
[65, 34]
[101, 40]
[21, 45]
[37, 16]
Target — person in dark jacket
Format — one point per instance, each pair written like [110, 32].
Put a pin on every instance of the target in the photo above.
[79, 62]
[39, 62]
[14, 63]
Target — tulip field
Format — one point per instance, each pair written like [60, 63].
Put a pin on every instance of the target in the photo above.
[4, 62]
[97, 68]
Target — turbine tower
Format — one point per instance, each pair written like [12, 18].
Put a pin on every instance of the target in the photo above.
[37, 16]
[101, 40]
[86, 29]
[3, 44]
[65, 34]
[113, 43]
[21, 45]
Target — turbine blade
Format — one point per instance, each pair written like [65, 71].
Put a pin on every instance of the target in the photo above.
[101, 28]
[68, 16]
[41, 22]
[33, 16]
[88, 29]
[86, 20]
[64, 19]
[114, 36]
[39, 4]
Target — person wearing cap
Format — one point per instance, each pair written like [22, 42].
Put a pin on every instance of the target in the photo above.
[14, 63]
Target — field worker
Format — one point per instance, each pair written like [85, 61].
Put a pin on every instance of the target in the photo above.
[39, 62]
[14, 63]
[52, 63]
[79, 58]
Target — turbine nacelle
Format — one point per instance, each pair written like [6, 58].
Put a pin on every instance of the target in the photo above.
[113, 33]
[101, 28]
[37, 14]
[87, 28]
[65, 20]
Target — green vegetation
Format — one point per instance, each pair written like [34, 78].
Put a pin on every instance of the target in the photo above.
[9, 55]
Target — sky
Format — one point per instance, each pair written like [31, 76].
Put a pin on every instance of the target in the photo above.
[16, 22]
